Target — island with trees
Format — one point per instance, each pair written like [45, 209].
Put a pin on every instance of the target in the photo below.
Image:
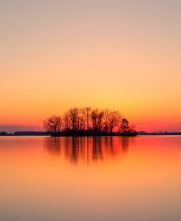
[89, 122]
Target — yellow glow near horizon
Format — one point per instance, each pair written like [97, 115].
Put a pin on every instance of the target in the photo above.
[107, 54]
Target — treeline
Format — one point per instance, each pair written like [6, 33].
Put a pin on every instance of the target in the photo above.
[87, 121]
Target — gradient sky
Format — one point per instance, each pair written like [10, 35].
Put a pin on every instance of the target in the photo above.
[119, 54]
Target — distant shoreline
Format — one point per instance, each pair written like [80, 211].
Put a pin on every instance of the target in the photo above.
[70, 134]
[154, 133]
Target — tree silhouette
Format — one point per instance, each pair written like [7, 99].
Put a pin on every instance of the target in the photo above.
[114, 119]
[67, 121]
[74, 118]
[53, 124]
[106, 120]
[88, 110]
[100, 120]
[124, 125]
[88, 122]
[82, 119]
[94, 118]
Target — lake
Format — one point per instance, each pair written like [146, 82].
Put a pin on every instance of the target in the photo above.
[95, 178]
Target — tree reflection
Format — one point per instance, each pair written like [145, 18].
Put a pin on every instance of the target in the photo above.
[125, 143]
[87, 149]
[53, 145]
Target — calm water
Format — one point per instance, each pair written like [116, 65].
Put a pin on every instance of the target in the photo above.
[113, 178]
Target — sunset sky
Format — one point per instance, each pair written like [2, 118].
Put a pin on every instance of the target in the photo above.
[119, 54]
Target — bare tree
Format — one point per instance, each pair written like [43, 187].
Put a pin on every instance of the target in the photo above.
[53, 124]
[94, 118]
[88, 110]
[67, 121]
[73, 113]
[82, 118]
[124, 125]
[114, 119]
[106, 119]
[99, 120]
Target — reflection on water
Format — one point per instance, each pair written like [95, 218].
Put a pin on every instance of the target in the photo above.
[87, 149]
[94, 178]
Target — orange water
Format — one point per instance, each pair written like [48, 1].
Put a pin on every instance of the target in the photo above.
[113, 178]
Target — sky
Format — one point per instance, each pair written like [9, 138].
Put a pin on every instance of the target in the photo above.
[119, 54]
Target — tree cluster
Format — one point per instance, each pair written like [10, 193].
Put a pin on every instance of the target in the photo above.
[88, 121]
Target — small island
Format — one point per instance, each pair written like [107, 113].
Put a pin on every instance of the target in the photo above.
[89, 122]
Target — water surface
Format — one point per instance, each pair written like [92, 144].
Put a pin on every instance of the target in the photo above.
[100, 178]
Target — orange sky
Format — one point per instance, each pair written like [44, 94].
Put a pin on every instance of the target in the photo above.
[122, 55]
